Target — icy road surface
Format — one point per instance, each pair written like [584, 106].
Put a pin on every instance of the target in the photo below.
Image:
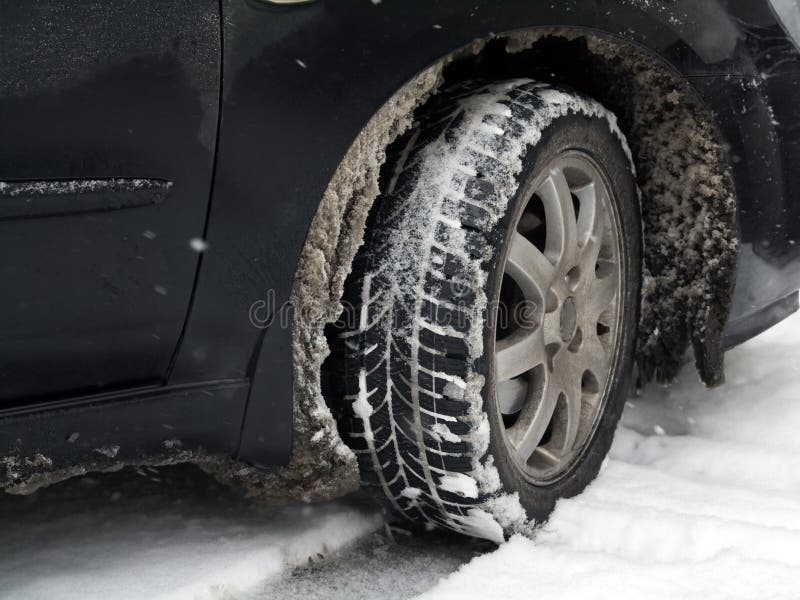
[700, 499]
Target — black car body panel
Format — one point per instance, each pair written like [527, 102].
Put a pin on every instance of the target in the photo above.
[95, 297]
[256, 104]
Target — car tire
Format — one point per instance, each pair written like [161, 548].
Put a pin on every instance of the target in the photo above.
[488, 331]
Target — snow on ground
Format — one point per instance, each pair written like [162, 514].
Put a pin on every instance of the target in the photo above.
[700, 499]
[173, 534]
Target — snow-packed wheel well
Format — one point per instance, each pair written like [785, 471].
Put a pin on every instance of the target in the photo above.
[683, 174]
[687, 207]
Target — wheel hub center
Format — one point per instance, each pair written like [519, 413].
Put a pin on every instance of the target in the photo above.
[569, 319]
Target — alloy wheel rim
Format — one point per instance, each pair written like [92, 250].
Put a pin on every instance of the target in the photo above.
[558, 321]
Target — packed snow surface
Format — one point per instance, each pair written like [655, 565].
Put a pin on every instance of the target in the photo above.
[699, 499]
[161, 539]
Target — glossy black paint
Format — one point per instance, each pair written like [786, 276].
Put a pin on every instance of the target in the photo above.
[90, 91]
[297, 85]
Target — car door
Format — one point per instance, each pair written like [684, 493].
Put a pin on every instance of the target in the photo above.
[108, 123]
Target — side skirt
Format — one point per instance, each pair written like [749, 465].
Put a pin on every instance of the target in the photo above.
[741, 330]
[48, 442]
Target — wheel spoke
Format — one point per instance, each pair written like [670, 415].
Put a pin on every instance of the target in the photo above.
[589, 222]
[590, 228]
[570, 417]
[541, 416]
[593, 357]
[601, 293]
[562, 235]
[529, 268]
[519, 352]
[511, 395]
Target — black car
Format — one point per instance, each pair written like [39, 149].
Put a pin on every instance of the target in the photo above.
[432, 243]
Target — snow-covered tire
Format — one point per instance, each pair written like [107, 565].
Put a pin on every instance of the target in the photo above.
[413, 356]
